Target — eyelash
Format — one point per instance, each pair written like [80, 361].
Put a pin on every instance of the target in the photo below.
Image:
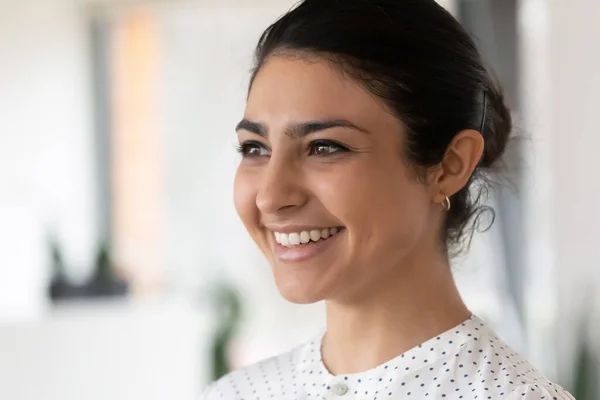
[245, 147]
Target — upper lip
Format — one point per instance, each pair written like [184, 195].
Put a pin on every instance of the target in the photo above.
[296, 228]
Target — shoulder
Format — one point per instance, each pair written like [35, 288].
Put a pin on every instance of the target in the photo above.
[540, 391]
[272, 376]
[501, 369]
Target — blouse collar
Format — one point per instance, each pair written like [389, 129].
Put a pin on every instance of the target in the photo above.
[313, 376]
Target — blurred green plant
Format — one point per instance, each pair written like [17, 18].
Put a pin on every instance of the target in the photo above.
[104, 282]
[229, 313]
[103, 264]
[60, 286]
[587, 374]
[587, 365]
[58, 264]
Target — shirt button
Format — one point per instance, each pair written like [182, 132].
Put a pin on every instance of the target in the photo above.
[340, 389]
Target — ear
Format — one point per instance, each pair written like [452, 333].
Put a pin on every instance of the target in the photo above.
[457, 166]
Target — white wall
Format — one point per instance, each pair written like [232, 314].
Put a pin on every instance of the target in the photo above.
[560, 83]
[574, 68]
[46, 154]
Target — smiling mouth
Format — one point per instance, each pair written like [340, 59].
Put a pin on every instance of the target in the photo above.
[303, 238]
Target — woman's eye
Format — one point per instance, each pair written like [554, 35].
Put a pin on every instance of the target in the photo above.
[325, 147]
[253, 149]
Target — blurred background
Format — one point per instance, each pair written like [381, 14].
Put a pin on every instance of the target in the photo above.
[124, 271]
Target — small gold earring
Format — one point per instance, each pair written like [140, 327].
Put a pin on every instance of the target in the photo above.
[446, 204]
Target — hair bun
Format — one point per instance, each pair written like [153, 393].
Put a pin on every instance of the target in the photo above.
[497, 126]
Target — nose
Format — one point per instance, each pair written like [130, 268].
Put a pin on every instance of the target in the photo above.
[281, 187]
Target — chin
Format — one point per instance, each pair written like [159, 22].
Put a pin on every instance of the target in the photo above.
[298, 293]
[300, 298]
[310, 280]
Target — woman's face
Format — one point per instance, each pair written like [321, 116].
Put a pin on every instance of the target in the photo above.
[323, 187]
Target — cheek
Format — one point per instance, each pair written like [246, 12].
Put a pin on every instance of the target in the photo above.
[244, 197]
[376, 204]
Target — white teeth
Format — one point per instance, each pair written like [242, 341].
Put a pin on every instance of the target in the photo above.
[314, 235]
[294, 239]
[304, 237]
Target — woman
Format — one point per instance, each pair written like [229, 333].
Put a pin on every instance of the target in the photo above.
[370, 128]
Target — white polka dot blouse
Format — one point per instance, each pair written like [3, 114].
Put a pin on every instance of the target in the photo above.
[466, 362]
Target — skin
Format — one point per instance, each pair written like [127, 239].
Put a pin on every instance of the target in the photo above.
[385, 277]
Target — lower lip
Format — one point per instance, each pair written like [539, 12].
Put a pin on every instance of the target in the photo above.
[307, 251]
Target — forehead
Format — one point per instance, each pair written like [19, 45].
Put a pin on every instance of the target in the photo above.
[307, 88]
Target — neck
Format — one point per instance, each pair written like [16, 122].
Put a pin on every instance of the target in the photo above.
[402, 312]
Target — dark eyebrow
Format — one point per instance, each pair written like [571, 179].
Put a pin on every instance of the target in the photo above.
[253, 127]
[306, 128]
[299, 130]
